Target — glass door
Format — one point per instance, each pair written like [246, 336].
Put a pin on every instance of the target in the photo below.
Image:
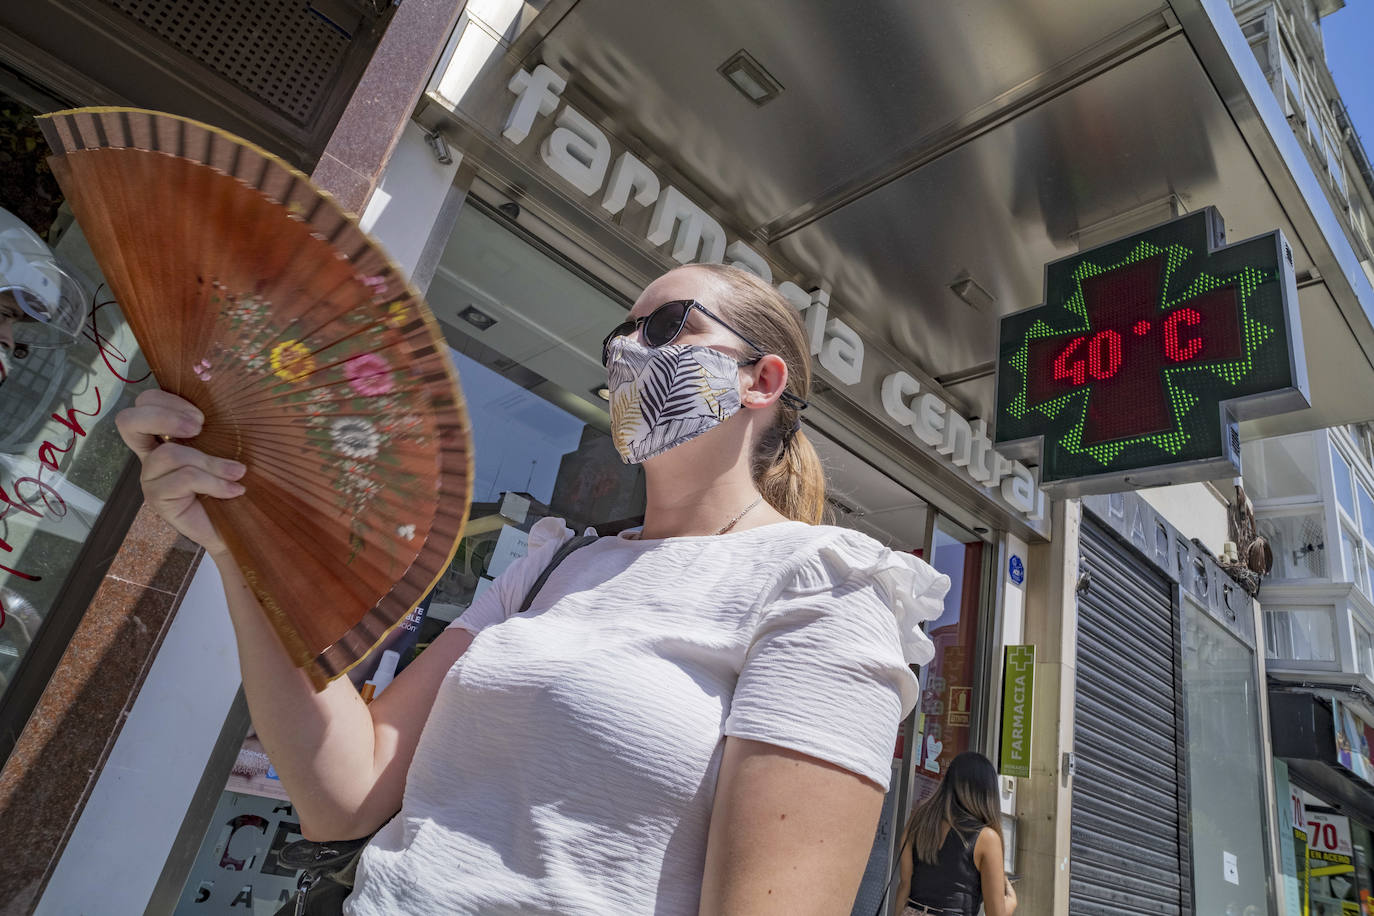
[1226, 789]
[949, 684]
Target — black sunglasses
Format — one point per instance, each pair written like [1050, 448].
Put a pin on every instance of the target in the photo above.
[665, 323]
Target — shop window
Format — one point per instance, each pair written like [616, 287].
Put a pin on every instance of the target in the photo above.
[1298, 540]
[1281, 468]
[1360, 840]
[61, 384]
[948, 683]
[525, 331]
[1301, 634]
[1225, 769]
[1338, 858]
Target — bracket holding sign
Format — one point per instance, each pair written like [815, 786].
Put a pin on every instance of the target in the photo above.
[1146, 353]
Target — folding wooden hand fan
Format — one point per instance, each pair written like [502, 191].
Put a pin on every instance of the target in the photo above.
[258, 300]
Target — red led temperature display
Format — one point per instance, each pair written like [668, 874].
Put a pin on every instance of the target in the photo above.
[1138, 346]
[1122, 360]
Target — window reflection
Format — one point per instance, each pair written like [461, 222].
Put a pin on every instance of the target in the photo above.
[60, 454]
[524, 331]
[1226, 784]
[948, 683]
[526, 435]
[533, 459]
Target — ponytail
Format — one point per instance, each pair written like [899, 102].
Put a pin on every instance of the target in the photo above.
[793, 481]
[785, 466]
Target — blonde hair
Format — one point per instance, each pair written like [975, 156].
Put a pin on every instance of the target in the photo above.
[785, 466]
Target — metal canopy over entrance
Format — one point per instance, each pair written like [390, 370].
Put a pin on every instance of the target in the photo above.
[924, 161]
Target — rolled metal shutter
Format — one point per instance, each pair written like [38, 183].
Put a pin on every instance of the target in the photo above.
[1128, 840]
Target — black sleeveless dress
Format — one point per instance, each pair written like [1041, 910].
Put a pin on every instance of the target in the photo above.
[954, 886]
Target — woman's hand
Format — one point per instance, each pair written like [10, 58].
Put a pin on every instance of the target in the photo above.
[174, 476]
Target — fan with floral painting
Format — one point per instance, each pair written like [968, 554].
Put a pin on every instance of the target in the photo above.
[256, 298]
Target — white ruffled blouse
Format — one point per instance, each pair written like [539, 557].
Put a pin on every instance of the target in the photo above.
[569, 762]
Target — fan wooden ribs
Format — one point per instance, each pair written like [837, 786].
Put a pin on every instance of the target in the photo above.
[258, 300]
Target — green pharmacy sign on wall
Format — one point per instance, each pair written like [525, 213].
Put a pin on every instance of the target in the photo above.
[1146, 353]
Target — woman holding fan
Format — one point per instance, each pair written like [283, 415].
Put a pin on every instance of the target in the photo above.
[697, 716]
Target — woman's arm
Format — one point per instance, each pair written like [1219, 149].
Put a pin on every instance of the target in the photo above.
[790, 834]
[342, 762]
[998, 897]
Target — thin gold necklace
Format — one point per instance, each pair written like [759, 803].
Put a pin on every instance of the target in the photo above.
[730, 524]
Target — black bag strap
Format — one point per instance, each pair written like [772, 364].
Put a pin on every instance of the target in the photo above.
[896, 869]
[559, 556]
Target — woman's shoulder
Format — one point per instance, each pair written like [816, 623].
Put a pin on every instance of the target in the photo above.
[988, 844]
[832, 557]
[843, 553]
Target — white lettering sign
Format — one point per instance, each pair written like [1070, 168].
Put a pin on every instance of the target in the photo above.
[936, 425]
[580, 153]
[630, 176]
[577, 151]
[1019, 691]
[698, 237]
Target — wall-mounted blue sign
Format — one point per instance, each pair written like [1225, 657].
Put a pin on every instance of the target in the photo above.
[1016, 569]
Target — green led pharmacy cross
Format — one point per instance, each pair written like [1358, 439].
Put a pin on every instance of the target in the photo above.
[1146, 353]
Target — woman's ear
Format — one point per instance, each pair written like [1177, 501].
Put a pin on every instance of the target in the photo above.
[764, 381]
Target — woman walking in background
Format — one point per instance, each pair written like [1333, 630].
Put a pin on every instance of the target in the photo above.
[951, 860]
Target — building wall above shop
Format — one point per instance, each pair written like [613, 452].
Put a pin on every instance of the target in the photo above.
[1195, 509]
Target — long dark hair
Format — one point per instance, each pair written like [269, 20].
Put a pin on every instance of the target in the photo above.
[967, 795]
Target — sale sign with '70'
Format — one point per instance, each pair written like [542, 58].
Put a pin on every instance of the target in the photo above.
[1146, 353]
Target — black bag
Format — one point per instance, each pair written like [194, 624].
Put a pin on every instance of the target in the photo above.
[328, 879]
[330, 867]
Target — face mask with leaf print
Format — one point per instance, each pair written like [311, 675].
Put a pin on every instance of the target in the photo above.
[664, 396]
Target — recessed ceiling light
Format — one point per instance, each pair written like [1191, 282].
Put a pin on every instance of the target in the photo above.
[603, 393]
[477, 318]
[972, 292]
[748, 76]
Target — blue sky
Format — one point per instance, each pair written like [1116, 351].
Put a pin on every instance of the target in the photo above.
[1349, 36]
